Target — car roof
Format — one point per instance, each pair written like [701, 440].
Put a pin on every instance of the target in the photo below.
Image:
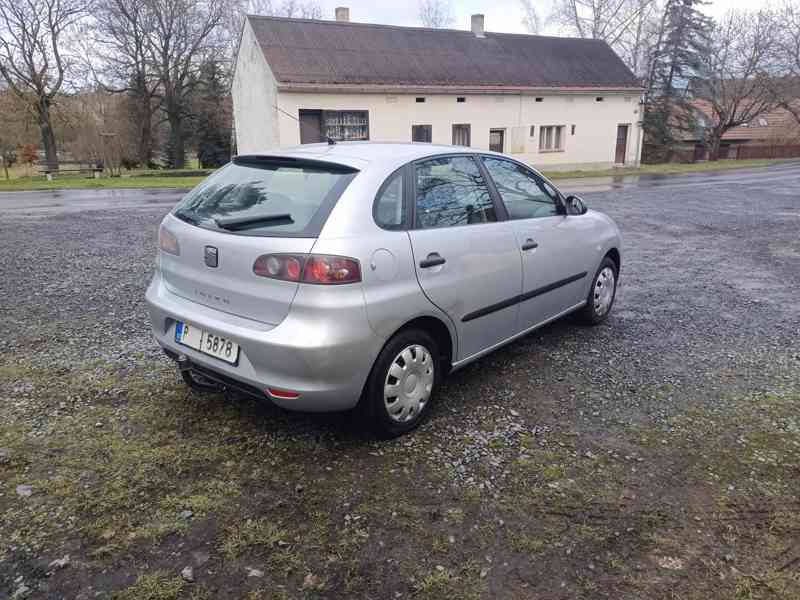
[360, 154]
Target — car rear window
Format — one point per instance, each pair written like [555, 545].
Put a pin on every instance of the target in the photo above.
[267, 196]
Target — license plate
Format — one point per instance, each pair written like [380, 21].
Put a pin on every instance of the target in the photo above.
[207, 342]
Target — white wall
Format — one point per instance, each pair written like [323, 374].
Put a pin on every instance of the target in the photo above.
[391, 118]
[254, 93]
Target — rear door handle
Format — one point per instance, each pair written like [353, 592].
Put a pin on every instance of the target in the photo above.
[434, 259]
[529, 244]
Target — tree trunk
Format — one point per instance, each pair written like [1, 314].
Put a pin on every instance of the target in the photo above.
[5, 168]
[177, 156]
[48, 136]
[145, 153]
[713, 146]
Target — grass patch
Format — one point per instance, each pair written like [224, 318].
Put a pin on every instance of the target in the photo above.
[159, 585]
[668, 168]
[253, 533]
[66, 182]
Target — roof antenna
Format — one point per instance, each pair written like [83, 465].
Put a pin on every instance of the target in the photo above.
[329, 139]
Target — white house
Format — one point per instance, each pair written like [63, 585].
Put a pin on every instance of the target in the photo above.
[552, 102]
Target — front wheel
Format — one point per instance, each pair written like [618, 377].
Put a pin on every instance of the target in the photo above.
[601, 294]
[398, 394]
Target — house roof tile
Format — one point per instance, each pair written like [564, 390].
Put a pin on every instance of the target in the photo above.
[301, 51]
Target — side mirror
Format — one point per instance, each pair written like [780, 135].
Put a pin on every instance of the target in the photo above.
[575, 206]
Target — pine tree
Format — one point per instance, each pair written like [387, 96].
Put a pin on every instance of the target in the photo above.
[212, 117]
[683, 39]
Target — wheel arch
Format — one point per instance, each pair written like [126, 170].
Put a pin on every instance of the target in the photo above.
[614, 255]
[439, 331]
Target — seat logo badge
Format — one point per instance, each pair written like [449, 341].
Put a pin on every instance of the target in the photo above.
[212, 256]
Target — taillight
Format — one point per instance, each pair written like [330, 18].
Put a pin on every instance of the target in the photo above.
[167, 241]
[322, 268]
[286, 267]
[316, 268]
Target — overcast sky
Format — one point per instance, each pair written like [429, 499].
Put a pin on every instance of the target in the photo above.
[501, 15]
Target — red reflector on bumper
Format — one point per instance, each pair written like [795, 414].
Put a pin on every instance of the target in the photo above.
[282, 394]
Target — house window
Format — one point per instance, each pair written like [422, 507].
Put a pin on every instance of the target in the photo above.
[598, 99]
[461, 135]
[421, 133]
[551, 138]
[420, 100]
[346, 125]
[572, 130]
[539, 99]
[532, 131]
[497, 138]
[461, 99]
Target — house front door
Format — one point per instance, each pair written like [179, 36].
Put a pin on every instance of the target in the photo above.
[497, 140]
[310, 126]
[622, 144]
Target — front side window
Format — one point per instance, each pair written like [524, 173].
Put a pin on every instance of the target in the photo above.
[523, 194]
[389, 203]
[451, 192]
[551, 138]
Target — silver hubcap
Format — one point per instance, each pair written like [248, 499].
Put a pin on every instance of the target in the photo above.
[604, 291]
[409, 383]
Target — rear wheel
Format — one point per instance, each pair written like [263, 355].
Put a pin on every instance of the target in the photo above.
[398, 394]
[601, 294]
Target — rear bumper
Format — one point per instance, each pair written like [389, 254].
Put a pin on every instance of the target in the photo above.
[323, 350]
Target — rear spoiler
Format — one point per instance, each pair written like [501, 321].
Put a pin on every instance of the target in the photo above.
[264, 161]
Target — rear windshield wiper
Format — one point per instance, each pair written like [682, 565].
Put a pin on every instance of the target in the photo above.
[237, 222]
[184, 216]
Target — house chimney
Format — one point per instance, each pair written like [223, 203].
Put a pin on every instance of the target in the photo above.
[477, 25]
[342, 13]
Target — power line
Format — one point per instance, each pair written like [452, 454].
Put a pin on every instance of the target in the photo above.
[329, 139]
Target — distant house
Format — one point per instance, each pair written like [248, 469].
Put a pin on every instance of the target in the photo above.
[775, 134]
[553, 102]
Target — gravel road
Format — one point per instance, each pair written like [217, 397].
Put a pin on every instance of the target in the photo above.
[654, 456]
[709, 282]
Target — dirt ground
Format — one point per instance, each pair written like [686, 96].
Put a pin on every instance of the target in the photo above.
[656, 456]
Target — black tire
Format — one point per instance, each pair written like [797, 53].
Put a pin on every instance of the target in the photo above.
[198, 383]
[589, 314]
[372, 404]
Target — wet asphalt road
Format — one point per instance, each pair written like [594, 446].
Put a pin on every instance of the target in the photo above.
[707, 304]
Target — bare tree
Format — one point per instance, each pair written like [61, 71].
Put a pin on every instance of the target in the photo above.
[626, 25]
[233, 16]
[787, 55]
[606, 20]
[530, 17]
[640, 41]
[737, 74]
[183, 33]
[435, 13]
[32, 60]
[121, 62]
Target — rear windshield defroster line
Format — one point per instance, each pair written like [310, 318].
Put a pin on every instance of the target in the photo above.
[252, 188]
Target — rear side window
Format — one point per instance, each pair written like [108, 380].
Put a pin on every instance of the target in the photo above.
[451, 192]
[389, 208]
[267, 196]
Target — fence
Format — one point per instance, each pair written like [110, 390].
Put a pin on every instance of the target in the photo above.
[785, 151]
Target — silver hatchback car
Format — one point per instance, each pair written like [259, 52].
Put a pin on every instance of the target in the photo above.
[359, 274]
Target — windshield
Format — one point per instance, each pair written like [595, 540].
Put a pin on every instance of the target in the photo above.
[267, 196]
